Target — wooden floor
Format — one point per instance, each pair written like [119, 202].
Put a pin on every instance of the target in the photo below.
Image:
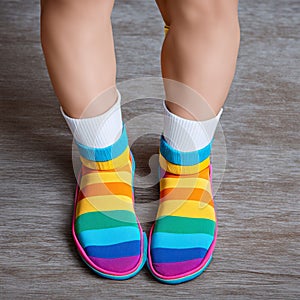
[258, 250]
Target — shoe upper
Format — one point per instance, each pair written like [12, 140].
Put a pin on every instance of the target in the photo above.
[185, 226]
[106, 228]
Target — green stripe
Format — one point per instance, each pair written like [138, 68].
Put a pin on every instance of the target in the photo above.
[107, 219]
[174, 224]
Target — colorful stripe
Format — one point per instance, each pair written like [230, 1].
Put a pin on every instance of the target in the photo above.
[107, 237]
[178, 268]
[112, 164]
[168, 255]
[108, 189]
[105, 223]
[185, 226]
[180, 240]
[103, 203]
[183, 170]
[183, 208]
[131, 248]
[116, 265]
[197, 194]
[187, 183]
[105, 177]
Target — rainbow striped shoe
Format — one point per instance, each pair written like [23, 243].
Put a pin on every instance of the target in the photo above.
[105, 228]
[182, 240]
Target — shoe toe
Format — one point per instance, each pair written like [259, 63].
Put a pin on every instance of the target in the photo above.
[175, 255]
[119, 254]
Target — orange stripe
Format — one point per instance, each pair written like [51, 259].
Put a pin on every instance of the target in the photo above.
[201, 203]
[185, 194]
[110, 188]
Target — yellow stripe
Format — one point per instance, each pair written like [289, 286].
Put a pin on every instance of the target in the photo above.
[186, 208]
[105, 177]
[193, 183]
[104, 203]
[115, 163]
[178, 169]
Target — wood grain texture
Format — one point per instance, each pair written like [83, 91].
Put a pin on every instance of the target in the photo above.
[258, 250]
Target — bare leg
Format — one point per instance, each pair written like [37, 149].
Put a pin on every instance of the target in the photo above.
[78, 45]
[200, 50]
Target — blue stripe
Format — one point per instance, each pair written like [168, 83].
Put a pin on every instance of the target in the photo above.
[104, 154]
[183, 158]
[181, 241]
[109, 236]
[163, 255]
[115, 251]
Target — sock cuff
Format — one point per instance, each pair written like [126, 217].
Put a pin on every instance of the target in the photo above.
[183, 158]
[187, 135]
[107, 153]
[183, 163]
[100, 131]
[109, 158]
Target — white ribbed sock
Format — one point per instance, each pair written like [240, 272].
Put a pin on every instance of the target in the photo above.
[100, 131]
[187, 135]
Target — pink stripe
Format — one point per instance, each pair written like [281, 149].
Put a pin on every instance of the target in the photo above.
[87, 258]
[177, 268]
[116, 265]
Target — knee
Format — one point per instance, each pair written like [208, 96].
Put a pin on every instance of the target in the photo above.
[210, 12]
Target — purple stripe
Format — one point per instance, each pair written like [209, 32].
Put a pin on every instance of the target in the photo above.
[177, 268]
[117, 265]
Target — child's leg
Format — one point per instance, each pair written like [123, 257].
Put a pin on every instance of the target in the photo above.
[78, 45]
[200, 50]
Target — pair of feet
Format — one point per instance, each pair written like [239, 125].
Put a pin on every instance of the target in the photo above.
[107, 232]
